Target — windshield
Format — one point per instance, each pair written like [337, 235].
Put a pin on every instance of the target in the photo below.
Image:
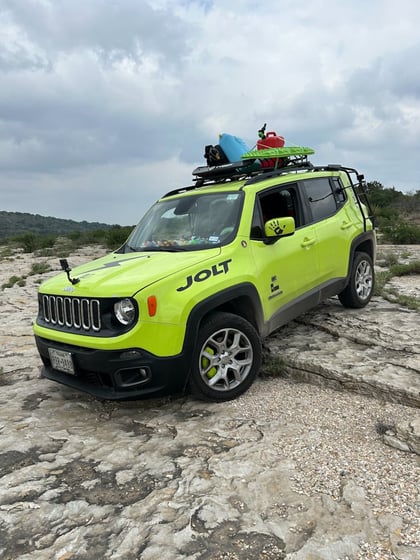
[189, 223]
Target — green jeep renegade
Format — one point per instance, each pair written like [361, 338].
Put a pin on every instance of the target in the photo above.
[210, 270]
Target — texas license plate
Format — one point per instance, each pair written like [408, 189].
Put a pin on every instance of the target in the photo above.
[62, 361]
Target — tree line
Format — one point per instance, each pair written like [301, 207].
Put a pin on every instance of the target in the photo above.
[397, 216]
[397, 213]
[17, 223]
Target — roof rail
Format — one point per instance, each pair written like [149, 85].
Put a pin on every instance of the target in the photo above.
[262, 176]
[179, 190]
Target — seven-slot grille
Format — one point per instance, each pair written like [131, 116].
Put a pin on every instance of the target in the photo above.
[72, 312]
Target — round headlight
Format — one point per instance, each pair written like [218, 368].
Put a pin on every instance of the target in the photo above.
[125, 311]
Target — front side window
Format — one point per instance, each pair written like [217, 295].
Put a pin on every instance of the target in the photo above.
[198, 221]
[275, 203]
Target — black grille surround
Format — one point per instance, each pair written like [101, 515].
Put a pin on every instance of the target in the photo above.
[81, 315]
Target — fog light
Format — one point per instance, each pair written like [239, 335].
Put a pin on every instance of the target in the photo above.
[131, 355]
[131, 377]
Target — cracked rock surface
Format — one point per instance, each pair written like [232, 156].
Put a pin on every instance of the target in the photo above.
[318, 461]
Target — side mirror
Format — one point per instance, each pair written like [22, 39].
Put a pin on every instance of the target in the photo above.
[279, 227]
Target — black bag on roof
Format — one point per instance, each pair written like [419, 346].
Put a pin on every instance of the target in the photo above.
[214, 155]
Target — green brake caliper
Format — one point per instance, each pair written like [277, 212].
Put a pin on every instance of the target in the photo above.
[205, 362]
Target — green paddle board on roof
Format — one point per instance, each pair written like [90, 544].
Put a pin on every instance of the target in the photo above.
[286, 151]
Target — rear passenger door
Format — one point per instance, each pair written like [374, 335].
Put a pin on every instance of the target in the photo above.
[326, 199]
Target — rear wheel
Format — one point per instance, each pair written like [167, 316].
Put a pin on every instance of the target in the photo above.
[362, 279]
[227, 358]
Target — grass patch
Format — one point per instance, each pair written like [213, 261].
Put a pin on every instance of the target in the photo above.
[273, 366]
[387, 259]
[405, 269]
[391, 294]
[381, 279]
[37, 268]
[6, 253]
[19, 280]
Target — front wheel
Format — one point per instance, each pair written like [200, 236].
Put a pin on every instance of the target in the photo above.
[362, 279]
[227, 358]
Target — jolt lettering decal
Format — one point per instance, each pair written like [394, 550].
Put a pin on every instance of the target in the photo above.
[205, 274]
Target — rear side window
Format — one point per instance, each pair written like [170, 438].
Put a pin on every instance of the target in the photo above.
[339, 191]
[322, 198]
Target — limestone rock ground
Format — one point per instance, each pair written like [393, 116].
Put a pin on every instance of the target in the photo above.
[325, 470]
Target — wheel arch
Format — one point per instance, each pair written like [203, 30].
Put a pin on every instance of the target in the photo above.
[364, 246]
[242, 300]
[364, 243]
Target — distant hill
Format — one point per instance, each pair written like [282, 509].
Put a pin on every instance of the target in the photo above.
[17, 223]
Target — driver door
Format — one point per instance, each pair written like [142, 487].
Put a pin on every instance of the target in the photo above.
[288, 267]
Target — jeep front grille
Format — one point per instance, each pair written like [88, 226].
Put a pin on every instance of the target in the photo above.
[72, 312]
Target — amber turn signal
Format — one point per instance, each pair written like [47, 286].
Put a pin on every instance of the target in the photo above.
[152, 305]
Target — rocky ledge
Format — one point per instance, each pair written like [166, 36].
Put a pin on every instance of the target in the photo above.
[319, 460]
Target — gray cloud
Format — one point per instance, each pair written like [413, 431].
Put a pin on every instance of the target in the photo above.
[114, 29]
[107, 101]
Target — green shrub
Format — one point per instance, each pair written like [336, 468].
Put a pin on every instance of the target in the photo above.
[116, 236]
[39, 268]
[28, 241]
[19, 280]
[31, 242]
[400, 233]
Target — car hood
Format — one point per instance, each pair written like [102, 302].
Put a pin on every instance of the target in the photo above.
[118, 275]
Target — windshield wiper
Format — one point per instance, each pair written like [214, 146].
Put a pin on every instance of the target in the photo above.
[173, 249]
[130, 248]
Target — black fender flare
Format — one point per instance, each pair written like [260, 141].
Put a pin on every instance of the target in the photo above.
[365, 242]
[246, 291]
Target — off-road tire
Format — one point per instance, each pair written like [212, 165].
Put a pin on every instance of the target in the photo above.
[359, 290]
[227, 358]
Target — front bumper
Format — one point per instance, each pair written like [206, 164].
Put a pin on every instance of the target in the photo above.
[127, 374]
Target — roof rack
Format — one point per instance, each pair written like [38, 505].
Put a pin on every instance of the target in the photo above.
[235, 173]
[250, 166]
[231, 172]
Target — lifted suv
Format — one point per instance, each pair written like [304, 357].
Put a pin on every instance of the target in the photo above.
[208, 272]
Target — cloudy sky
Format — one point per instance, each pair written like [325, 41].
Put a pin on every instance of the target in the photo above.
[107, 104]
